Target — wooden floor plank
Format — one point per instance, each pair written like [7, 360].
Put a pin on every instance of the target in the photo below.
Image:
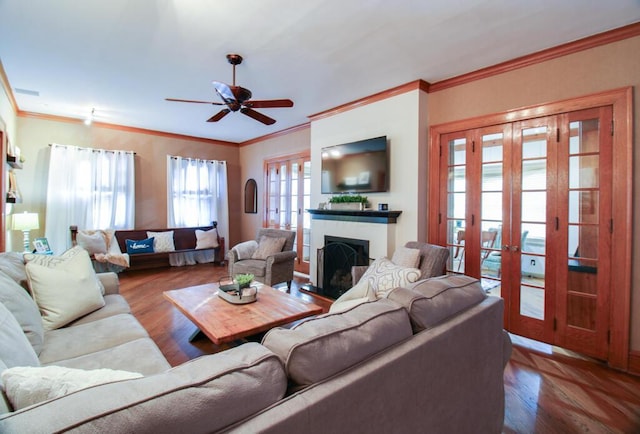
[547, 390]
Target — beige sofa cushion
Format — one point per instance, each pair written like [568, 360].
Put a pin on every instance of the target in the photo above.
[431, 301]
[24, 309]
[12, 264]
[207, 239]
[93, 241]
[64, 287]
[203, 395]
[323, 346]
[15, 349]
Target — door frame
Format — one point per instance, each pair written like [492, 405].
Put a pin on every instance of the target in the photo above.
[622, 214]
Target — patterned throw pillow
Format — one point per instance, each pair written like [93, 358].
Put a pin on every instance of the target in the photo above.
[139, 246]
[163, 241]
[383, 276]
[268, 246]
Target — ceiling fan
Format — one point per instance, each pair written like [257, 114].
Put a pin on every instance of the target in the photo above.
[237, 98]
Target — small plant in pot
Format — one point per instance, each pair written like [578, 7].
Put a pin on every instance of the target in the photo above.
[348, 201]
[244, 280]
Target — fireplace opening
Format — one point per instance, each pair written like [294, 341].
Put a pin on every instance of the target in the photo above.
[334, 264]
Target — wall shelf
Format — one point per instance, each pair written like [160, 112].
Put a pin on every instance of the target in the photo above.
[366, 216]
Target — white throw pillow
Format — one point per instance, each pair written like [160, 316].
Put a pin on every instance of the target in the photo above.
[64, 287]
[245, 249]
[383, 276]
[406, 257]
[207, 239]
[25, 386]
[93, 241]
[163, 241]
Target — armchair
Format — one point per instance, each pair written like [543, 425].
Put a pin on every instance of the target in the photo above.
[270, 257]
[432, 262]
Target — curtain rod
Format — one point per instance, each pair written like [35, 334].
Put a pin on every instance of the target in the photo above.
[173, 157]
[89, 149]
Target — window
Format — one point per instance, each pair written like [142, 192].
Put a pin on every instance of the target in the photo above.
[90, 188]
[197, 193]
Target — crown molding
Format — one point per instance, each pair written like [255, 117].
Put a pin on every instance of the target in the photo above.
[4, 82]
[56, 118]
[403, 88]
[276, 134]
[597, 40]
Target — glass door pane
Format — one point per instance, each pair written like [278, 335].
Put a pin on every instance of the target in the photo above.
[273, 195]
[283, 217]
[456, 203]
[491, 212]
[533, 221]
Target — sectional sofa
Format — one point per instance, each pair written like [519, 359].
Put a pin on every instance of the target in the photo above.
[429, 358]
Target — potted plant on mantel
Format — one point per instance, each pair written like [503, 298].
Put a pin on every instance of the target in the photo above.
[348, 202]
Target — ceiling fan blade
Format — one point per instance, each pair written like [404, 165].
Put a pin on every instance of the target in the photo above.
[222, 113]
[225, 92]
[258, 116]
[193, 100]
[269, 103]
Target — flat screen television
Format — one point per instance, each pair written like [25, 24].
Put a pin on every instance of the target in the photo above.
[357, 167]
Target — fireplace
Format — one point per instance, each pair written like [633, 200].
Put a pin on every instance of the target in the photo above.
[335, 260]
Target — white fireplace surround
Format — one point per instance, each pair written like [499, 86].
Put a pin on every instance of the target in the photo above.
[381, 238]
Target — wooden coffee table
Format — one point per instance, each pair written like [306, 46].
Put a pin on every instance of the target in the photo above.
[225, 322]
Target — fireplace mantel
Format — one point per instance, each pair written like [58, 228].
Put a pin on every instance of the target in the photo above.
[366, 216]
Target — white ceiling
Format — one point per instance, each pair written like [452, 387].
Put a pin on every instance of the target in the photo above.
[123, 57]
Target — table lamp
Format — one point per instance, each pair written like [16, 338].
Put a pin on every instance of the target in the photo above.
[25, 222]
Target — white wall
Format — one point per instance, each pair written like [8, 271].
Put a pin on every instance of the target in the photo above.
[252, 166]
[398, 118]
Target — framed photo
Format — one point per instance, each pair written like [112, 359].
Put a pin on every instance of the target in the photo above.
[42, 246]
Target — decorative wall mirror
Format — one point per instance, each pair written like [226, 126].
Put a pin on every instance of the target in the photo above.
[251, 197]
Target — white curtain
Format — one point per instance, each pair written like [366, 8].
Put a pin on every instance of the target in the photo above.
[90, 188]
[197, 193]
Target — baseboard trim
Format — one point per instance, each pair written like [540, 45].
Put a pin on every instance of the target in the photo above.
[634, 362]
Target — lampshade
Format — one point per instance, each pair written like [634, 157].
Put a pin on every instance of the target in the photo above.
[25, 221]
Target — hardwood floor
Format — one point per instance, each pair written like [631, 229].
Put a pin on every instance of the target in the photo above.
[547, 390]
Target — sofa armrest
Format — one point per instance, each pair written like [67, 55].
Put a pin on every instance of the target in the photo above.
[110, 282]
[506, 347]
[281, 257]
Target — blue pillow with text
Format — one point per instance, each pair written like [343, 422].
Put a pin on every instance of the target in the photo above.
[139, 246]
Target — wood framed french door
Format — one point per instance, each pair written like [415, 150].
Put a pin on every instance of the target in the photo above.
[288, 197]
[526, 205]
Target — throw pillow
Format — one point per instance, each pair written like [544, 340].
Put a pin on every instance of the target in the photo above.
[15, 349]
[25, 386]
[64, 287]
[268, 246]
[207, 239]
[406, 257]
[93, 241]
[383, 276]
[163, 241]
[12, 264]
[245, 250]
[24, 309]
[139, 246]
